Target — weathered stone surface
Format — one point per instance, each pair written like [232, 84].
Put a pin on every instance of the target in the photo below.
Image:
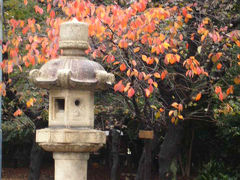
[71, 108]
[70, 166]
[70, 140]
[71, 72]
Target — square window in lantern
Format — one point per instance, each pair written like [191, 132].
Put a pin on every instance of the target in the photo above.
[59, 105]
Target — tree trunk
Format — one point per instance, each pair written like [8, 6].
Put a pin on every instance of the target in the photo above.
[145, 162]
[35, 162]
[115, 154]
[169, 150]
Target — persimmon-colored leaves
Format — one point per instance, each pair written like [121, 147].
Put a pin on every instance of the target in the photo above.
[30, 102]
[237, 80]
[17, 112]
[157, 75]
[198, 97]
[119, 86]
[131, 92]
[218, 91]
[136, 49]
[38, 9]
[123, 67]
[216, 57]
[230, 90]
[25, 2]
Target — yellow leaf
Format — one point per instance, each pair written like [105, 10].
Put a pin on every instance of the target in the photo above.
[155, 84]
[154, 107]
[166, 45]
[180, 116]
[144, 58]
[170, 113]
[175, 105]
[157, 115]
[157, 75]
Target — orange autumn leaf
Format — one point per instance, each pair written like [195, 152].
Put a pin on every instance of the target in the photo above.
[180, 117]
[238, 56]
[230, 90]
[25, 2]
[157, 75]
[135, 50]
[181, 37]
[198, 97]
[180, 107]
[134, 63]
[131, 92]
[175, 105]
[123, 67]
[17, 112]
[30, 102]
[173, 120]
[219, 66]
[216, 57]
[161, 37]
[163, 74]
[119, 86]
[161, 109]
[237, 80]
[238, 43]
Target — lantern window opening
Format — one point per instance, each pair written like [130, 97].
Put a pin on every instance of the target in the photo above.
[77, 102]
[60, 104]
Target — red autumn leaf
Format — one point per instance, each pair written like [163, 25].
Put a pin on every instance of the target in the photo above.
[25, 30]
[48, 7]
[119, 86]
[163, 74]
[123, 67]
[181, 37]
[184, 11]
[25, 2]
[52, 14]
[131, 92]
[180, 107]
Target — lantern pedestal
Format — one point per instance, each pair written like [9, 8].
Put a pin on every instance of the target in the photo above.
[70, 166]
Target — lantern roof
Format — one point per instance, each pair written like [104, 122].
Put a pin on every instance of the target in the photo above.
[72, 69]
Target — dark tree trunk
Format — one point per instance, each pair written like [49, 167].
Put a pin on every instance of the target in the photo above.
[37, 154]
[144, 167]
[115, 154]
[169, 150]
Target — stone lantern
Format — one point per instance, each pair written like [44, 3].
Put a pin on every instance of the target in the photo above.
[71, 80]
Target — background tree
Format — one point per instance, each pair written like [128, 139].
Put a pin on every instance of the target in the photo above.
[172, 61]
